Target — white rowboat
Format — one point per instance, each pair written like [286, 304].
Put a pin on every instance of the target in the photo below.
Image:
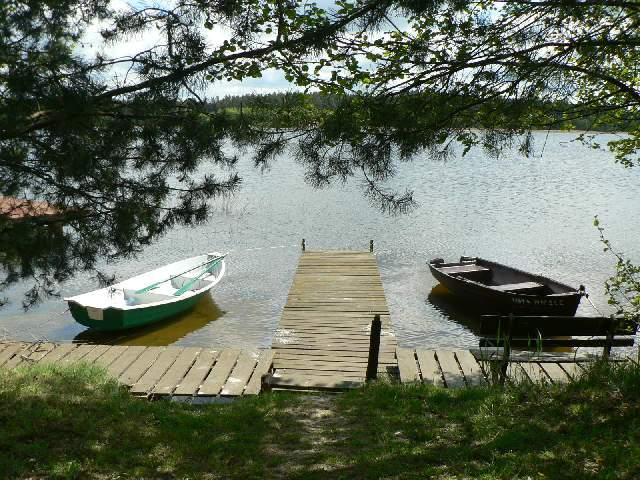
[149, 297]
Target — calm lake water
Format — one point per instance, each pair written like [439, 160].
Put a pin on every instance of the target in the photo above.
[535, 214]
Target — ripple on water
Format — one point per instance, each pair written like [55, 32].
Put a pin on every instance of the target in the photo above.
[535, 214]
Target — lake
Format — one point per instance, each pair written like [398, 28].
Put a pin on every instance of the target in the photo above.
[535, 214]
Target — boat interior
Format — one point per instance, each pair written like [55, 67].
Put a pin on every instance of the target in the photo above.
[125, 294]
[501, 278]
[167, 289]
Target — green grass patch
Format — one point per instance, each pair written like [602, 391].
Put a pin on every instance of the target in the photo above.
[588, 429]
[75, 422]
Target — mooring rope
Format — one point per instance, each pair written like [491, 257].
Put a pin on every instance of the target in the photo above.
[593, 305]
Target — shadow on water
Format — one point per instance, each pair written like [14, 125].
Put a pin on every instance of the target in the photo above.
[159, 334]
[455, 308]
[469, 315]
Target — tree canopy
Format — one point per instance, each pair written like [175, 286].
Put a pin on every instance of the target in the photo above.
[118, 143]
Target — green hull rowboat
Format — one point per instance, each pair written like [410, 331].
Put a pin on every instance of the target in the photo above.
[150, 297]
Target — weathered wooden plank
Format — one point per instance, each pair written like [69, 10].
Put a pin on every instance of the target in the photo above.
[77, 353]
[572, 369]
[555, 373]
[471, 368]
[319, 348]
[314, 382]
[535, 373]
[219, 373]
[156, 370]
[353, 337]
[39, 350]
[18, 357]
[265, 362]
[95, 353]
[170, 380]
[493, 353]
[515, 373]
[429, 368]
[58, 353]
[387, 359]
[110, 355]
[307, 373]
[123, 361]
[333, 351]
[407, 365]
[450, 370]
[139, 366]
[327, 366]
[240, 375]
[351, 328]
[195, 376]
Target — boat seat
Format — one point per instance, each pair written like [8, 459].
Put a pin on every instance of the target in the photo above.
[178, 282]
[468, 268]
[518, 287]
[156, 295]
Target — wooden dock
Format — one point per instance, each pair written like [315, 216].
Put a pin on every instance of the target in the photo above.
[200, 374]
[322, 342]
[191, 373]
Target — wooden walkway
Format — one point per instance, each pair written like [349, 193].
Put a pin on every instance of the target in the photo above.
[155, 371]
[455, 369]
[198, 374]
[323, 338]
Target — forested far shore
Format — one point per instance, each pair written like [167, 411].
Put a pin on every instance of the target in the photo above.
[560, 116]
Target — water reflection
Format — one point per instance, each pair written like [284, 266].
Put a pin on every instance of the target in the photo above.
[455, 308]
[159, 334]
[468, 315]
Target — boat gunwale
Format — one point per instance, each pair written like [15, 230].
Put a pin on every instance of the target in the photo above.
[571, 291]
[169, 300]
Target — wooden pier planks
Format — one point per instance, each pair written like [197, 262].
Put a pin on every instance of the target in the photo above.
[455, 369]
[156, 371]
[195, 372]
[323, 338]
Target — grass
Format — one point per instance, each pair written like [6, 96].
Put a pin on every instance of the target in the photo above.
[74, 422]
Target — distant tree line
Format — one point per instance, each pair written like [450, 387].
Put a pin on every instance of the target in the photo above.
[590, 123]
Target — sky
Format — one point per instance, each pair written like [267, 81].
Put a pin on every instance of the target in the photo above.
[271, 80]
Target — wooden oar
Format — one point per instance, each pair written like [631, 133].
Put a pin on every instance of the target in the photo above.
[154, 285]
[187, 285]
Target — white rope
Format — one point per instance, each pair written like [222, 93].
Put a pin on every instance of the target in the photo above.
[262, 248]
[594, 307]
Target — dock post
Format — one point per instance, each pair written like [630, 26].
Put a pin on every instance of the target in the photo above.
[304, 245]
[370, 246]
[374, 348]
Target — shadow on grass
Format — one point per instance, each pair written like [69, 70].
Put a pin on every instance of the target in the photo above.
[590, 429]
[75, 422]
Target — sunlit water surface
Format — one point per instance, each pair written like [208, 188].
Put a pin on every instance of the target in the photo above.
[535, 214]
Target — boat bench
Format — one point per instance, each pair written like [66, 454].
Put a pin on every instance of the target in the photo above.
[179, 282]
[469, 268]
[542, 331]
[528, 331]
[524, 287]
[151, 296]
